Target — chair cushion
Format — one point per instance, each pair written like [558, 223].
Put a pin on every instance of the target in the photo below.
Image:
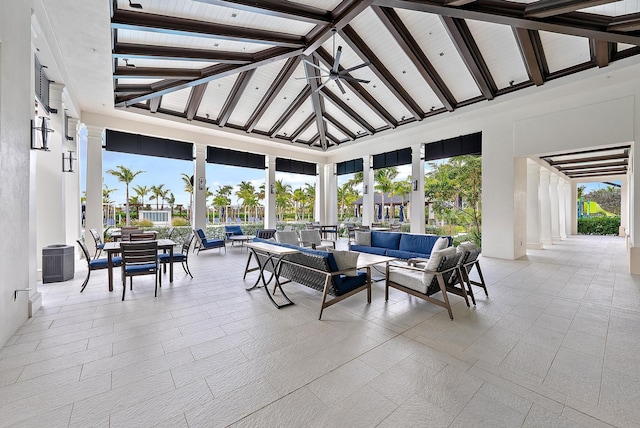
[466, 246]
[405, 255]
[233, 230]
[201, 234]
[346, 260]
[348, 283]
[177, 257]
[434, 262]
[389, 240]
[103, 263]
[417, 243]
[287, 237]
[140, 268]
[363, 238]
[441, 244]
[370, 250]
[100, 246]
[212, 243]
[409, 278]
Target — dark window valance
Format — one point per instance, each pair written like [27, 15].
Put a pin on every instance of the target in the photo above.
[470, 144]
[349, 167]
[395, 158]
[295, 167]
[125, 142]
[235, 158]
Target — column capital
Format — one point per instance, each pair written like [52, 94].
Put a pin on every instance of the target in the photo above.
[544, 172]
[94, 131]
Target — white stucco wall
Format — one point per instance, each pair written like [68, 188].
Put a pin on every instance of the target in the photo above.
[17, 264]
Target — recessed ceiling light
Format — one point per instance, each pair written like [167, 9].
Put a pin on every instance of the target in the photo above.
[441, 53]
[404, 71]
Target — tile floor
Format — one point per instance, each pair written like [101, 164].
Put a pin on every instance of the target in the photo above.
[556, 344]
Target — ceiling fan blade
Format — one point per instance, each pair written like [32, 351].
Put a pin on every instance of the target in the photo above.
[315, 66]
[321, 86]
[353, 79]
[349, 70]
[336, 62]
[312, 77]
[340, 86]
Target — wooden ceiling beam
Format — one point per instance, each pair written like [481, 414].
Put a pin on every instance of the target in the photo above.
[547, 8]
[133, 51]
[343, 107]
[132, 89]
[625, 23]
[412, 50]
[303, 126]
[587, 160]
[290, 111]
[156, 73]
[340, 126]
[316, 101]
[531, 54]
[154, 104]
[195, 98]
[601, 52]
[234, 96]
[341, 16]
[595, 172]
[593, 165]
[279, 8]
[457, 2]
[210, 73]
[468, 49]
[281, 79]
[351, 37]
[142, 21]
[358, 89]
[333, 138]
[512, 14]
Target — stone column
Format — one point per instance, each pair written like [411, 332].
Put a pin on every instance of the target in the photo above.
[368, 191]
[93, 210]
[199, 210]
[270, 194]
[545, 207]
[533, 207]
[555, 210]
[417, 214]
[562, 207]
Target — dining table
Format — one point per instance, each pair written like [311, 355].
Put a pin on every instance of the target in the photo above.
[112, 248]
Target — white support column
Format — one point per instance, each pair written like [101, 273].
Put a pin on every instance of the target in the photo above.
[49, 182]
[320, 203]
[270, 194]
[533, 206]
[72, 204]
[417, 214]
[199, 210]
[368, 192]
[562, 207]
[545, 207]
[331, 194]
[624, 207]
[570, 213]
[634, 212]
[555, 210]
[93, 212]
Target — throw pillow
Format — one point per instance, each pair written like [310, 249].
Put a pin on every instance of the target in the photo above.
[363, 238]
[346, 260]
[440, 244]
[434, 262]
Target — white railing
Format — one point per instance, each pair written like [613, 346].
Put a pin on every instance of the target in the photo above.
[159, 218]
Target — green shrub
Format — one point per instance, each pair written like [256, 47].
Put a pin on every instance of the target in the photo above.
[145, 222]
[179, 221]
[598, 225]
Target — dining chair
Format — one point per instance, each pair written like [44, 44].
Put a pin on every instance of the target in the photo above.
[204, 243]
[265, 233]
[97, 239]
[311, 238]
[143, 236]
[126, 231]
[181, 257]
[139, 258]
[95, 264]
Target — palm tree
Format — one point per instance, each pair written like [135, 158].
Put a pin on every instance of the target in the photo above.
[283, 197]
[157, 194]
[221, 198]
[310, 191]
[126, 176]
[246, 192]
[141, 192]
[402, 188]
[188, 187]
[299, 198]
[384, 180]
[171, 200]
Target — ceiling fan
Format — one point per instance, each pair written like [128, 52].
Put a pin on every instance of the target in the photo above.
[335, 74]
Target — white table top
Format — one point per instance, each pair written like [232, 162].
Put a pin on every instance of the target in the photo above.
[271, 248]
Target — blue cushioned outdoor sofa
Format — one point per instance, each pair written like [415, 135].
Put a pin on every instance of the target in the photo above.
[318, 270]
[399, 245]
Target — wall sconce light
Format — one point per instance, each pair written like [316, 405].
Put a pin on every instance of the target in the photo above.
[272, 189]
[44, 134]
[415, 185]
[201, 183]
[365, 189]
[67, 162]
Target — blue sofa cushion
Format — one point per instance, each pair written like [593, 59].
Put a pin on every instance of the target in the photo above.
[417, 243]
[233, 230]
[348, 283]
[103, 263]
[370, 250]
[399, 254]
[389, 240]
[177, 257]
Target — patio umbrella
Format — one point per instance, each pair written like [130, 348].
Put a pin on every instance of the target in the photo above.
[386, 216]
[380, 212]
[401, 214]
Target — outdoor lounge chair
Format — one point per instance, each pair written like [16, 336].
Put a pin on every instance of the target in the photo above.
[95, 264]
[311, 238]
[204, 243]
